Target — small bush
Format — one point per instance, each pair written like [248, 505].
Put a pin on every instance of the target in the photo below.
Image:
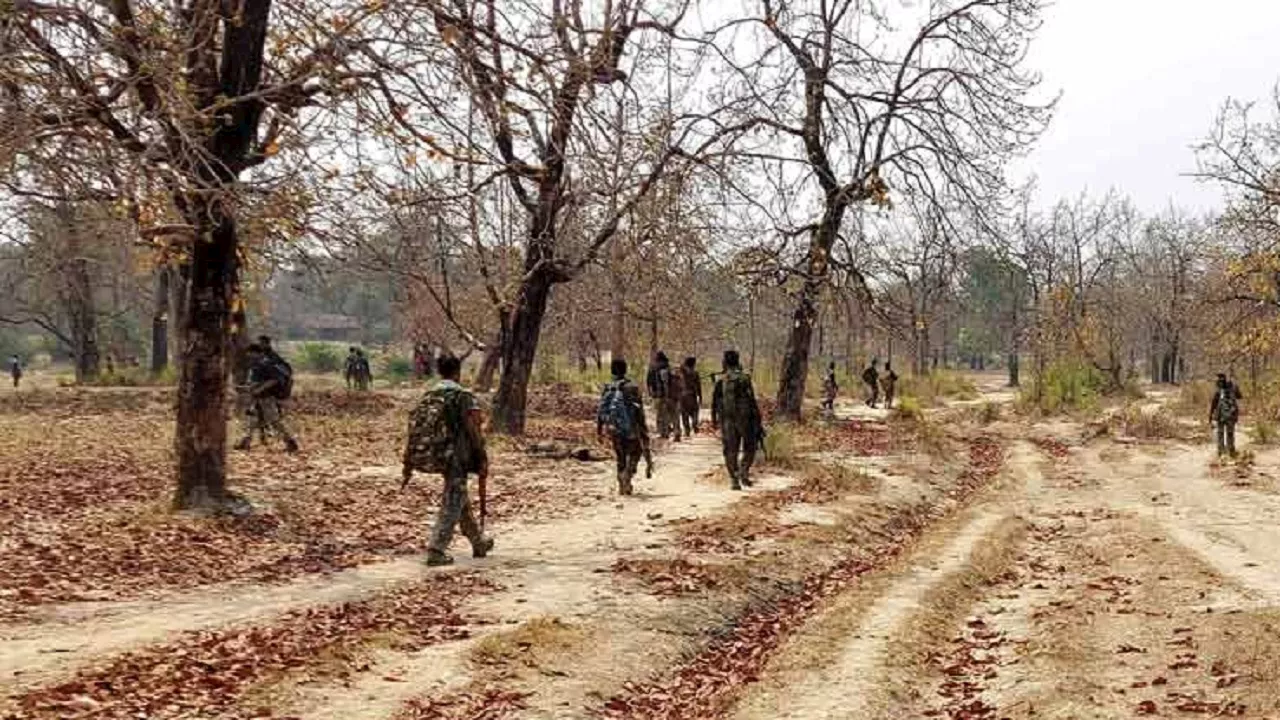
[989, 413]
[909, 409]
[1264, 433]
[318, 357]
[396, 368]
[1064, 387]
[1194, 398]
[1147, 423]
[934, 387]
[780, 445]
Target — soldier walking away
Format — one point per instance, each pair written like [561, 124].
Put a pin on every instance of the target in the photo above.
[269, 384]
[621, 413]
[15, 370]
[351, 372]
[871, 377]
[1225, 411]
[364, 375]
[445, 437]
[889, 383]
[690, 396]
[665, 392]
[829, 389]
[737, 415]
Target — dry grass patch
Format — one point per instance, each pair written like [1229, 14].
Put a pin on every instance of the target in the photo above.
[531, 644]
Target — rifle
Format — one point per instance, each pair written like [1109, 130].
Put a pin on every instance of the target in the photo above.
[483, 486]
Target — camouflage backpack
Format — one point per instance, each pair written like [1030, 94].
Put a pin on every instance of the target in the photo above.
[735, 407]
[1228, 405]
[435, 430]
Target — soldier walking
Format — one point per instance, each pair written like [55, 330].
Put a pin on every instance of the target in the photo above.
[871, 377]
[445, 437]
[15, 370]
[829, 389]
[690, 396]
[665, 391]
[1225, 411]
[351, 371]
[269, 383]
[737, 415]
[621, 413]
[889, 382]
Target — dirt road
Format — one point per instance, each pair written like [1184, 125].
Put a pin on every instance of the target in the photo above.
[1037, 575]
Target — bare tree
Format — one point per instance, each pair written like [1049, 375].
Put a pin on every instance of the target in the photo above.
[858, 110]
[194, 92]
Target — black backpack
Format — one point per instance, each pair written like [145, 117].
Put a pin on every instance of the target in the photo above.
[284, 377]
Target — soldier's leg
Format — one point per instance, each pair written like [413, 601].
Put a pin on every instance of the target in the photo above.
[273, 418]
[748, 459]
[732, 441]
[635, 450]
[622, 454]
[1231, 438]
[675, 418]
[249, 422]
[452, 502]
[1221, 436]
[480, 545]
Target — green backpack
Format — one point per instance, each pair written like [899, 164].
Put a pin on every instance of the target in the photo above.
[736, 407]
[435, 431]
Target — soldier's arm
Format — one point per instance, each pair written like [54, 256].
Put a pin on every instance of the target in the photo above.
[1213, 407]
[632, 395]
[717, 402]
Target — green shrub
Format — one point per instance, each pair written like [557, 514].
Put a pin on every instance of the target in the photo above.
[1147, 423]
[318, 357]
[780, 445]
[1065, 387]
[989, 413]
[397, 368]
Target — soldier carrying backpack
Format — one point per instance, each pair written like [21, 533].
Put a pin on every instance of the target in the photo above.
[621, 413]
[735, 412]
[445, 437]
[270, 382]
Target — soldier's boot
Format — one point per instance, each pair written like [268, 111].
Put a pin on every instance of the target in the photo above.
[290, 445]
[436, 558]
[482, 548]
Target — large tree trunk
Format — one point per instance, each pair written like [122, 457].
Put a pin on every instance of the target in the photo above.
[82, 316]
[795, 363]
[178, 284]
[518, 354]
[201, 436]
[160, 322]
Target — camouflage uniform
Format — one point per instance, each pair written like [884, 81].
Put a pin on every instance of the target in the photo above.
[739, 421]
[351, 373]
[665, 389]
[1225, 411]
[829, 390]
[627, 450]
[690, 399]
[871, 377]
[455, 502]
[264, 412]
[889, 384]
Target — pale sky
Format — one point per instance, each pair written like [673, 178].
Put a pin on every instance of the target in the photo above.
[1141, 81]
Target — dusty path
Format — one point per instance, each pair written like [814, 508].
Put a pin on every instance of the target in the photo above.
[555, 555]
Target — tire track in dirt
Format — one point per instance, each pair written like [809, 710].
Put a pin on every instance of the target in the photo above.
[847, 686]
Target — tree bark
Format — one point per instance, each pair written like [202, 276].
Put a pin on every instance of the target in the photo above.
[160, 322]
[795, 363]
[81, 315]
[201, 437]
[518, 354]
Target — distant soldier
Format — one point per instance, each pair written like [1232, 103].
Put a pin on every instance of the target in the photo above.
[737, 415]
[829, 389]
[690, 396]
[351, 372]
[15, 370]
[889, 382]
[269, 384]
[665, 392]
[364, 374]
[445, 437]
[621, 413]
[871, 377]
[1225, 411]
